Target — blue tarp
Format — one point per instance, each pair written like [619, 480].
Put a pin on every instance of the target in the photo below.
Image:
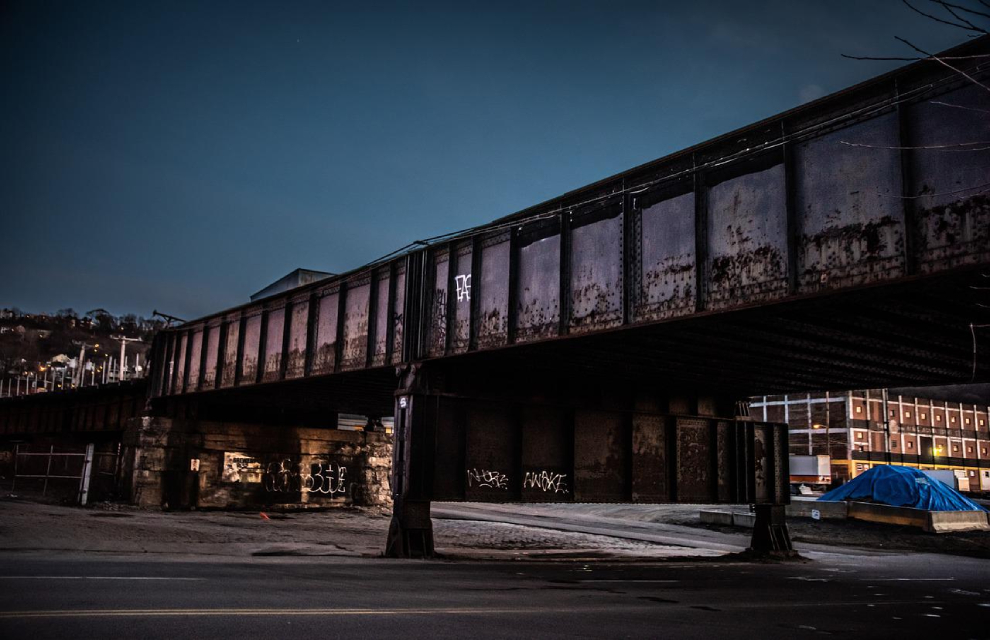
[902, 487]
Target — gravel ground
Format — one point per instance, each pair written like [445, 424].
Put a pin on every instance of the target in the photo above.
[112, 528]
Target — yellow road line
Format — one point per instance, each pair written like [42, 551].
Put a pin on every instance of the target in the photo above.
[110, 613]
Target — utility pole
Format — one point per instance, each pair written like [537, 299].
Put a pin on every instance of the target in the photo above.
[123, 346]
[79, 367]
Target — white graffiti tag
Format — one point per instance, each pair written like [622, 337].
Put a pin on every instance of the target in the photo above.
[463, 284]
[488, 479]
[546, 481]
[285, 476]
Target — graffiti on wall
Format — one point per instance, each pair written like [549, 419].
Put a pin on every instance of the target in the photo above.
[285, 476]
[463, 284]
[546, 481]
[487, 478]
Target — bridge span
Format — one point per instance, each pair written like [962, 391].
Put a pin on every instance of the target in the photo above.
[593, 347]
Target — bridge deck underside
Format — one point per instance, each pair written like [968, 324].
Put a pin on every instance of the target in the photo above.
[914, 333]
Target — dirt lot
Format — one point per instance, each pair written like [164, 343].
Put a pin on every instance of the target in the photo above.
[112, 528]
[30, 526]
[888, 537]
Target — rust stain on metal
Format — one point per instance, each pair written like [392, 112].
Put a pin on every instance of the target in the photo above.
[954, 234]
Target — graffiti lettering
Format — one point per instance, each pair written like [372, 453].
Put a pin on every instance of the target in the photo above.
[488, 479]
[463, 284]
[285, 476]
[546, 481]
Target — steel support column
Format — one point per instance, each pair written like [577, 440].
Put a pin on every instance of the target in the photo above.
[410, 534]
[770, 534]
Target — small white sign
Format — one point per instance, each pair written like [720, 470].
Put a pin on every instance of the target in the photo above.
[816, 514]
[403, 403]
[194, 464]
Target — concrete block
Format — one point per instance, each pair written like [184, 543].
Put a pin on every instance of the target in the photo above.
[947, 521]
[717, 517]
[747, 520]
[887, 514]
[826, 510]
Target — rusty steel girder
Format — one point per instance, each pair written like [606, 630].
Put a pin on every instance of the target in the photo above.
[855, 190]
[485, 451]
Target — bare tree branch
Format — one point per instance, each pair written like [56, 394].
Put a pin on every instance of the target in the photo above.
[944, 63]
[935, 18]
[962, 146]
[962, 8]
[959, 106]
[973, 57]
[948, 7]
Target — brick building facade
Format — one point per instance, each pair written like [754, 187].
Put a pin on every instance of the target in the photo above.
[850, 427]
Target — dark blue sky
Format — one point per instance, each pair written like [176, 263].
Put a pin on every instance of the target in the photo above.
[182, 156]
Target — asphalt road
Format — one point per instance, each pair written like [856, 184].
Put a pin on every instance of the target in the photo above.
[71, 595]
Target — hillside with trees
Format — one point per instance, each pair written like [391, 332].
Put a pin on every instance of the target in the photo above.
[40, 351]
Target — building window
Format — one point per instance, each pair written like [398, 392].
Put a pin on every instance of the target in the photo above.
[967, 420]
[859, 409]
[952, 419]
[955, 448]
[938, 418]
[907, 414]
[982, 421]
[893, 444]
[859, 435]
[910, 445]
[969, 449]
[924, 416]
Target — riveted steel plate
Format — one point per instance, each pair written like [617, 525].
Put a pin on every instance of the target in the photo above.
[747, 236]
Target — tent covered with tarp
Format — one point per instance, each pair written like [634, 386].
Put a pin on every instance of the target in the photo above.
[902, 487]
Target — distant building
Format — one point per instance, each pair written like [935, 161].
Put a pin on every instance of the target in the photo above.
[919, 432]
[297, 278]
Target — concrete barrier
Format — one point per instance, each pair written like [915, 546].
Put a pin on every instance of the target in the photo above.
[886, 514]
[943, 521]
[723, 518]
[728, 519]
[932, 521]
[826, 510]
[747, 520]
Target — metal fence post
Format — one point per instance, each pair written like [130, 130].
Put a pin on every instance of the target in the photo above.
[17, 453]
[87, 470]
[48, 470]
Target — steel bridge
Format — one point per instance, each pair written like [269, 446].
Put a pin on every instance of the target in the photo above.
[598, 342]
